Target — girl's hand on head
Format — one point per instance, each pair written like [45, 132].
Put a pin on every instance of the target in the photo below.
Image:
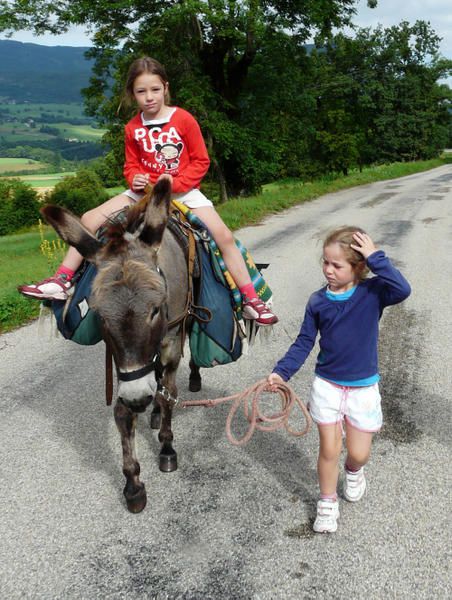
[272, 380]
[140, 181]
[364, 244]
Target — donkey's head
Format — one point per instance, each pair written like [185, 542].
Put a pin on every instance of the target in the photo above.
[129, 292]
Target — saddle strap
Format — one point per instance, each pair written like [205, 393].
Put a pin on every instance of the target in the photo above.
[108, 374]
[191, 257]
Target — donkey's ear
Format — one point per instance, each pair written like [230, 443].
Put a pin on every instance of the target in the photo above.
[71, 230]
[157, 213]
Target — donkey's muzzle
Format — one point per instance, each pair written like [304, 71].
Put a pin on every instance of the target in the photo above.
[135, 387]
[137, 406]
[136, 392]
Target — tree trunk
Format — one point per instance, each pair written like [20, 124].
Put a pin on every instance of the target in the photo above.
[221, 181]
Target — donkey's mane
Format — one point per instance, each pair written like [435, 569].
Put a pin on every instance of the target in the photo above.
[114, 230]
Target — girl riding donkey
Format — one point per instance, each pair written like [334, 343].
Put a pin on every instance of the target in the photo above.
[161, 141]
[346, 313]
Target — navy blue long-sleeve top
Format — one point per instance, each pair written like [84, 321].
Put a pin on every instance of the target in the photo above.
[348, 329]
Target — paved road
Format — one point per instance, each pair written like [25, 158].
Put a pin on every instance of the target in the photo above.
[235, 523]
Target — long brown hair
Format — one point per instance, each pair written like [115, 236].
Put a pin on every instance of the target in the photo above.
[344, 237]
[145, 64]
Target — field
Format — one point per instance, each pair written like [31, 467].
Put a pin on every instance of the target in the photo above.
[22, 122]
[41, 183]
[21, 132]
[7, 165]
[34, 110]
[81, 133]
[44, 181]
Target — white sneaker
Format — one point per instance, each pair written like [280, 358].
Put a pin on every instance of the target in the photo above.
[327, 516]
[354, 485]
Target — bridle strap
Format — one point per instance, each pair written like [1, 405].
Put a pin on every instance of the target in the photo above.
[130, 376]
[138, 374]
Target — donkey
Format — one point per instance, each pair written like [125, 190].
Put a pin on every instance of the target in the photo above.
[140, 293]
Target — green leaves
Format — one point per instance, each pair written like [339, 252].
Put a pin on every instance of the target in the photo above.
[267, 108]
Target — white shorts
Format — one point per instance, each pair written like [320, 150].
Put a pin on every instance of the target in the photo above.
[360, 406]
[192, 199]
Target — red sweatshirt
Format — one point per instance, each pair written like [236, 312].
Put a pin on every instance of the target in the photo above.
[173, 145]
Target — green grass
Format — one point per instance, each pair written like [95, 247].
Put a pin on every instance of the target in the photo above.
[114, 191]
[45, 180]
[18, 132]
[22, 261]
[30, 110]
[83, 133]
[21, 133]
[9, 165]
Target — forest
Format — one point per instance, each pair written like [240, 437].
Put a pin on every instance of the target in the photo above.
[271, 105]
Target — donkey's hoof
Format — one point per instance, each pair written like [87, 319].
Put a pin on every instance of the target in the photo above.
[155, 420]
[167, 461]
[194, 384]
[137, 502]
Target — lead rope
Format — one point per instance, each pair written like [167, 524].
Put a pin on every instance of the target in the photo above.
[256, 419]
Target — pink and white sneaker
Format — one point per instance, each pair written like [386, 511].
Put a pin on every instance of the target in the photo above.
[354, 485]
[327, 516]
[52, 288]
[256, 310]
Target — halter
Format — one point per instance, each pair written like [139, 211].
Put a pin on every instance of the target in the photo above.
[139, 373]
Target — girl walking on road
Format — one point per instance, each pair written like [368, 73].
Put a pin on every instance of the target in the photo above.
[161, 141]
[345, 393]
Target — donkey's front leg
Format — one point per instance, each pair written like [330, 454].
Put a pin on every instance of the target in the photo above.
[134, 490]
[167, 456]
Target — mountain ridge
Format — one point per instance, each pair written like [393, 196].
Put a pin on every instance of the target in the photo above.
[49, 74]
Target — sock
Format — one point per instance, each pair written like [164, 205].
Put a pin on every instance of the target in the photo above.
[350, 470]
[330, 497]
[248, 291]
[67, 273]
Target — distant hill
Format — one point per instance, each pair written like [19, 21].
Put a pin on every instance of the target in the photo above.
[36, 73]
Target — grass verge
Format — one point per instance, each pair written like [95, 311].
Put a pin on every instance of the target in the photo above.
[281, 195]
[22, 261]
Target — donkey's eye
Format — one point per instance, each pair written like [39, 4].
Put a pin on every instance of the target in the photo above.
[155, 312]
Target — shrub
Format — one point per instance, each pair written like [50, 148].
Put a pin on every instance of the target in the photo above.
[19, 206]
[79, 193]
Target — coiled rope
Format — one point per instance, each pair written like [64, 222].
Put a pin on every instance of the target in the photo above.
[250, 399]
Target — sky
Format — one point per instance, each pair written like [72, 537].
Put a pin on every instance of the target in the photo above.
[387, 12]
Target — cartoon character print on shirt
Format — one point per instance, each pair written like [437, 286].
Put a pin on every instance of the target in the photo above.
[164, 148]
[168, 154]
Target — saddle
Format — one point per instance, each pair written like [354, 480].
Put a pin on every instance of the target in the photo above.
[217, 329]
[215, 335]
